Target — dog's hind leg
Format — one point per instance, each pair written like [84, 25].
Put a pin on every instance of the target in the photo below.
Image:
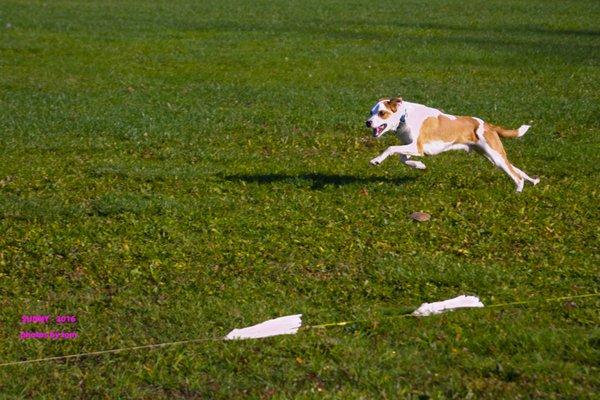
[534, 180]
[492, 147]
[405, 159]
[502, 162]
[409, 150]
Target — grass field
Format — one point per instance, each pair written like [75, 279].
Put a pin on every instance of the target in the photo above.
[171, 170]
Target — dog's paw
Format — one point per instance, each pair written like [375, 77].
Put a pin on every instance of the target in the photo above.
[419, 165]
[520, 185]
[375, 161]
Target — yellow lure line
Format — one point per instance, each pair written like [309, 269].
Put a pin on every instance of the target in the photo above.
[327, 325]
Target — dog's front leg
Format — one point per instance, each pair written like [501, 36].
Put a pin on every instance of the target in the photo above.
[409, 150]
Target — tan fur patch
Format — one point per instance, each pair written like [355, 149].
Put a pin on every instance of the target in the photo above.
[460, 130]
[390, 105]
[384, 114]
[393, 104]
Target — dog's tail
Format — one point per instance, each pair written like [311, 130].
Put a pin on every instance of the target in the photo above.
[510, 133]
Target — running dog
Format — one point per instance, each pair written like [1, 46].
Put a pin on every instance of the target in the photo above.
[427, 131]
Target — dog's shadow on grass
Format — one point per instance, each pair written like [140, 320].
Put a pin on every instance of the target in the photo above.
[316, 181]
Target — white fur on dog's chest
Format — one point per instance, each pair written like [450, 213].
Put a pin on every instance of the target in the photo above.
[437, 146]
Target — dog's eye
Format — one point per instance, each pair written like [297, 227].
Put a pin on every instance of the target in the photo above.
[381, 114]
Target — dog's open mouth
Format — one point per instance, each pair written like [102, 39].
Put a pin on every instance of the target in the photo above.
[377, 131]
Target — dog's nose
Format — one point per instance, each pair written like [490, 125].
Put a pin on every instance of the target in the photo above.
[368, 123]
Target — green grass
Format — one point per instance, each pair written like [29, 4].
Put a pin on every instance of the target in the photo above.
[172, 170]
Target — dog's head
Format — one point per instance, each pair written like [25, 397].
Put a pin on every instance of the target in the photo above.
[385, 116]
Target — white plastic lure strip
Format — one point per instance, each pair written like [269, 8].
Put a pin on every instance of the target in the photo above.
[287, 325]
[447, 305]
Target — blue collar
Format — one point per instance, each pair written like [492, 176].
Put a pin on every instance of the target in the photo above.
[403, 117]
[402, 120]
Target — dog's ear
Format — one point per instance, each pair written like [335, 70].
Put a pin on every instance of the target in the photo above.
[393, 103]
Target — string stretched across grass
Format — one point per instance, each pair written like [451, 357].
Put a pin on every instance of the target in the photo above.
[290, 324]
